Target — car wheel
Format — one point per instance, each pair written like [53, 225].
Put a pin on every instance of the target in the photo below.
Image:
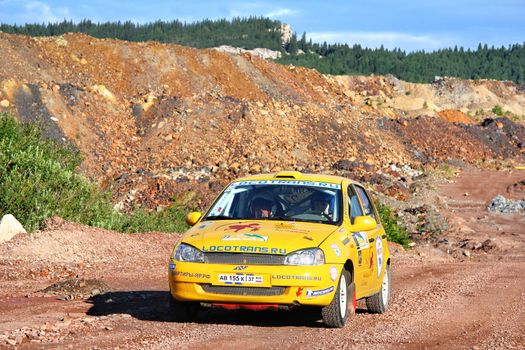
[182, 311]
[343, 304]
[378, 303]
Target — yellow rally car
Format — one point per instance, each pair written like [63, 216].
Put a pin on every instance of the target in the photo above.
[283, 240]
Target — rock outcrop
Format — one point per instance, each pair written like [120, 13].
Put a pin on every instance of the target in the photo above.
[10, 227]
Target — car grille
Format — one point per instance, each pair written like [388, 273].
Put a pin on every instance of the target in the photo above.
[256, 291]
[244, 259]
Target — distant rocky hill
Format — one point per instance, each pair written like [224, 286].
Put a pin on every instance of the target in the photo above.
[153, 120]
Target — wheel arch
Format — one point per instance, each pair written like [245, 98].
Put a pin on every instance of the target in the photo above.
[349, 266]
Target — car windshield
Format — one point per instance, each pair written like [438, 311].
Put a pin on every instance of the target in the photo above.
[287, 200]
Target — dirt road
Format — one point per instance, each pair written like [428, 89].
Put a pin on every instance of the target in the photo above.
[475, 302]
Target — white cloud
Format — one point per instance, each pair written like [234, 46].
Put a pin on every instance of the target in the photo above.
[389, 40]
[281, 12]
[21, 12]
[260, 9]
[244, 9]
[42, 12]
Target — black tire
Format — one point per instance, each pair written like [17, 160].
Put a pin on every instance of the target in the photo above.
[336, 313]
[182, 311]
[378, 303]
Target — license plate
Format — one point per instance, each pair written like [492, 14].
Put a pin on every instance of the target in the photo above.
[240, 278]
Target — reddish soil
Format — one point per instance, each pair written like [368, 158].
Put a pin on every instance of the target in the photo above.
[469, 302]
[455, 116]
[154, 120]
[471, 224]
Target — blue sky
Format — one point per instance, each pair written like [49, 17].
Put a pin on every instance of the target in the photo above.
[407, 24]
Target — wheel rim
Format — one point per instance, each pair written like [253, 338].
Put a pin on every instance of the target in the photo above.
[385, 287]
[343, 296]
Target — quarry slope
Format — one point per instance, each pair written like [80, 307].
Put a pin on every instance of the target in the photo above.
[155, 119]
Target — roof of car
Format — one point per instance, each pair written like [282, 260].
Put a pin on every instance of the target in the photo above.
[298, 176]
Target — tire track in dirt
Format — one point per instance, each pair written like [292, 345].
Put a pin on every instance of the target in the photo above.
[450, 305]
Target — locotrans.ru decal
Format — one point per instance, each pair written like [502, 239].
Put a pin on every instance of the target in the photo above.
[243, 249]
[296, 277]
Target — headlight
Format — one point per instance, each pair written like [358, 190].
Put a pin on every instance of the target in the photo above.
[314, 256]
[186, 252]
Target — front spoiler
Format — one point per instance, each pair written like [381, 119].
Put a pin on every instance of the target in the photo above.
[303, 285]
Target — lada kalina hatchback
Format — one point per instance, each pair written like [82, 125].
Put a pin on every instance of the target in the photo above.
[283, 240]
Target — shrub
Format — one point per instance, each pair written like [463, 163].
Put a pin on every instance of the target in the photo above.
[394, 232]
[497, 110]
[169, 220]
[38, 181]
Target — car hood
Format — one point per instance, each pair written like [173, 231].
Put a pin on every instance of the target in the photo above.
[263, 236]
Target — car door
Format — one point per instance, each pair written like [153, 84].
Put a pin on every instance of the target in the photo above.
[360, 239]
[374, 262]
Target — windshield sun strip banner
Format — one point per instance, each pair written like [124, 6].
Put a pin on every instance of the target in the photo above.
[288, 182]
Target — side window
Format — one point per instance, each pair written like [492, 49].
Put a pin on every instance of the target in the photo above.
[353, 204]
[367, 204]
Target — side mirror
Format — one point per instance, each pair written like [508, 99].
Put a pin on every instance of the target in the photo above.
[364, 223]
[193, 217]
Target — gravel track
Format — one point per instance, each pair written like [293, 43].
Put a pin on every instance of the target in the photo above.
[438, 302]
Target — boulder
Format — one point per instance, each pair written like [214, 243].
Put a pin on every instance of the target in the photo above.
[9, 227]
[502, 205]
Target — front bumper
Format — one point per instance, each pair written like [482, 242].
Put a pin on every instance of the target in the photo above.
[284, 285]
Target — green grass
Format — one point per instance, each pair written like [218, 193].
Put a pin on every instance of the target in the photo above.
[394, 232]
[38, 181]
[497, 110]
[444, 171]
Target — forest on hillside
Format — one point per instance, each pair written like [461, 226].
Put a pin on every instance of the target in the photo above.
[247, 33]
[503, 63]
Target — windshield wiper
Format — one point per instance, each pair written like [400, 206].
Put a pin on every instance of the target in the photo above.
[219, 217]
[289, 218]
[282, 218]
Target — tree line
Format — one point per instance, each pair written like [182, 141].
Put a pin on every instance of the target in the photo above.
[247, 33]
[503, 63]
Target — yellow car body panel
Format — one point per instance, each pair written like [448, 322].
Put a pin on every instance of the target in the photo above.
[365, 253]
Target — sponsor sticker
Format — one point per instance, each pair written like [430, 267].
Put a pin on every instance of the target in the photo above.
[336, 249]
[287, 182]
[333, 273]
[223, 201]
[172, 267]
[240, 267]
[297, 277]
[282, 228]
[317, 293]
[192, 275]
[379, 253]
[361, 240]
[245, 237]
[240, 227]
[299, 291]
[243, 249]
[204, 224]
